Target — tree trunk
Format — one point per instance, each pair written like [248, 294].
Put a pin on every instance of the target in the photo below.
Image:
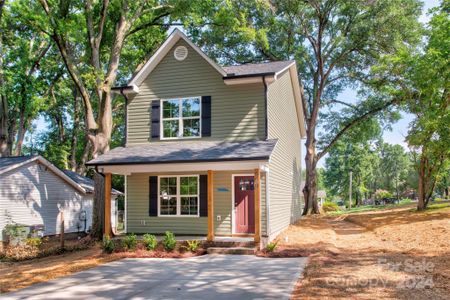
[76, 124]
[21, 133]
[4, 149]
[310, 189]
[422, 203]
[98, 213]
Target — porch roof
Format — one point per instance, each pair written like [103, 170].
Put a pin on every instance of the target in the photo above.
[186, 152]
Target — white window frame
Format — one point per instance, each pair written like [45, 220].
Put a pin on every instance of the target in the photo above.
[180, 119]
[178, 195]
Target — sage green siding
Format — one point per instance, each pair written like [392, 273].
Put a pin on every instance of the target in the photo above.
[285, 161]
[139, 221]
[237, 112]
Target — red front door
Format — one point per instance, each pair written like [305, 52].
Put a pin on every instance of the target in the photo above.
[244, 204]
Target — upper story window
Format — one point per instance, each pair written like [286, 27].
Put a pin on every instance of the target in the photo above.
[181, 118]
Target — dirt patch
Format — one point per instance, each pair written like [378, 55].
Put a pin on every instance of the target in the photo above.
[17, 275]
[389, 254]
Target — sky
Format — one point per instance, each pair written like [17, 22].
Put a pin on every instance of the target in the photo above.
[394, 136]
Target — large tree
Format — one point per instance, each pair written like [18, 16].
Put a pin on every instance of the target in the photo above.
[335, 44]
[423, 79]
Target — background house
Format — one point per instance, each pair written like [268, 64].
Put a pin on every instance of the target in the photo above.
[33, 192]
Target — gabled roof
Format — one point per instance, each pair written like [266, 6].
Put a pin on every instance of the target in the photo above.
[269, 72]
[265, 68]
[173, 38]
[187, 152]
[86, 182]
[10, 163]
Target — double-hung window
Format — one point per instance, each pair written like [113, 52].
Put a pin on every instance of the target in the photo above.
[181, 118]
[179, 195]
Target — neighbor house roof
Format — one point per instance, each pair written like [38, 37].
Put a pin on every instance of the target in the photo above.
[195, 151]
[11, 163]
[86, 182]
[264, 68]
[81, 183]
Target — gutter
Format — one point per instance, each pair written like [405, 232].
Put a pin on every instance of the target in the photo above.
[232, 76]
[266, 119]
[126, 115]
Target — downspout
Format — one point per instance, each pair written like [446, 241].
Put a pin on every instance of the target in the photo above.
[266, 117]
[126, 116]
[125, 218]
[266, 136]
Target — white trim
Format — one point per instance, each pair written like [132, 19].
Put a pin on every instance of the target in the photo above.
[233, 225]
[298, 99]
[178, 196]
[180, 118]
[284, 69]
[49, 165]
[244, 165]
[248, 80]
[173, 38]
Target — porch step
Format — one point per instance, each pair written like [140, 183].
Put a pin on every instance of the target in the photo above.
[231, 250]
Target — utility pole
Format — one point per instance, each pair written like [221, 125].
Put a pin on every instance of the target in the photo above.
[350, 191]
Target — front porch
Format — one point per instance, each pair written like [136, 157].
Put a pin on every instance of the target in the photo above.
[215, 217]
[202, 188]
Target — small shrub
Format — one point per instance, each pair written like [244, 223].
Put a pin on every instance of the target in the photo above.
[380, 194]
[193, 245]
[169, 241]
[150, 241]
[129, 242]
[108, 245]
[271, 246]
[34, 242]
[330, 206]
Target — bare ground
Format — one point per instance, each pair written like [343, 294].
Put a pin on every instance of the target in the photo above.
[390, 254]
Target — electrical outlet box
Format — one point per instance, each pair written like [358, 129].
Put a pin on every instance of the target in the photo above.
[219, 217]
[142, 222]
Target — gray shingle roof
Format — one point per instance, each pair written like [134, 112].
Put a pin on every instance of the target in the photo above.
[259, 68]
[195, 151]
[7, 162]
[86, 182]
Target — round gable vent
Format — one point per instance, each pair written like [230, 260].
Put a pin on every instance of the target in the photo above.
[180, 53]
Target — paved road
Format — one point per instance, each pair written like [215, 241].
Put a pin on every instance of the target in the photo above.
[205, 277]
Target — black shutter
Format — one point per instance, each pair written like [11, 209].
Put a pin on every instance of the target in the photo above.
[155, 119]
[203, 195]
[206, 115]
[153, 196]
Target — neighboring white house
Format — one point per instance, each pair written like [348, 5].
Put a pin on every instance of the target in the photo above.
[321, 197]
[34, 192]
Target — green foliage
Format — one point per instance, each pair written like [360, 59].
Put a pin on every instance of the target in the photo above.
[330, 206]
[108, 244]
[34, 242]
[129, 242]
[150, 241]
[169, 241]
[271, 246]
[193, 245]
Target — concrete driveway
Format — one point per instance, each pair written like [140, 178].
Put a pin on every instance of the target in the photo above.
[205, 277]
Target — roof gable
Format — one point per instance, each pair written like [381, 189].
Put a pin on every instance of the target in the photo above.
[11, 163]
[156, 58]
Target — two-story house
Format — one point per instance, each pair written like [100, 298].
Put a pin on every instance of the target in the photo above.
[210, 150]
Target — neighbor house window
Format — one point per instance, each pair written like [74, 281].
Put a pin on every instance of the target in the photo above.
[181, 118]
[178, 195]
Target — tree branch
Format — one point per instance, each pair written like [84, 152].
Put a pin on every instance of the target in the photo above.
[353, 123]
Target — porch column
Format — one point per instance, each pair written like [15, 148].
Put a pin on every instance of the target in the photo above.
[210, 236]
[107, 212]
[257, 190]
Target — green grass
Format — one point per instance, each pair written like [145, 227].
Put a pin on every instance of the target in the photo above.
[363, 208]
[434, 206]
